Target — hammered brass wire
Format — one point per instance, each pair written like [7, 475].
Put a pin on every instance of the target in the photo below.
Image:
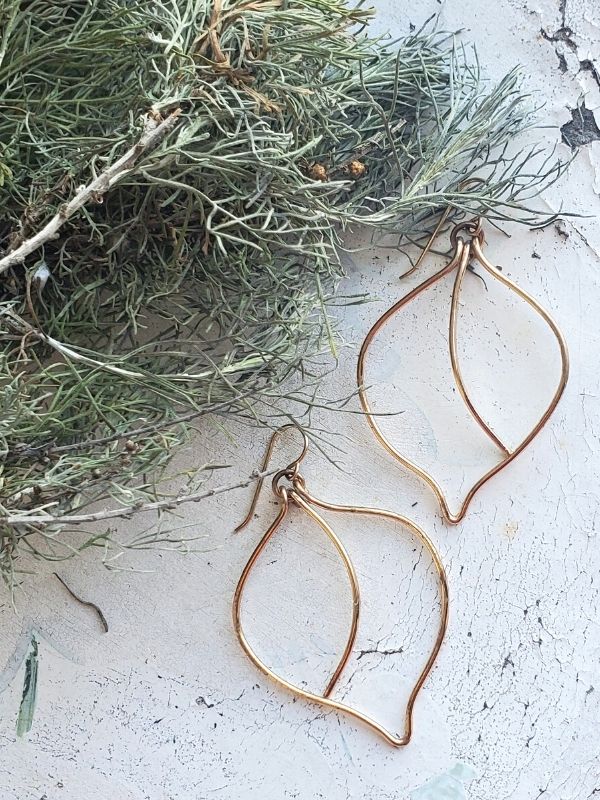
[297, 494]
[467, 239]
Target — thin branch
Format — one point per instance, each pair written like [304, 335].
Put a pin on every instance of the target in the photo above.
[127, 511]
[48, 449]
[88, 603]
[154, 132]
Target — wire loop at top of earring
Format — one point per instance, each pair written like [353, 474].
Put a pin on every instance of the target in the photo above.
[473, 228]
[290, 474]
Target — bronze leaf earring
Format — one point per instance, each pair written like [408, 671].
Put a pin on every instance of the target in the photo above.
[290, 488]
[467, 240]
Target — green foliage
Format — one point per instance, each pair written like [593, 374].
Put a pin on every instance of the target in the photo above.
[197, 282]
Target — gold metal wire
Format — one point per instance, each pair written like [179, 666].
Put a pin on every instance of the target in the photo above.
[297, 494]
[467, 239]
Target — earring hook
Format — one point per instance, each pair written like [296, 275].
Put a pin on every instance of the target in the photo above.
[476, 223]
[291, 471]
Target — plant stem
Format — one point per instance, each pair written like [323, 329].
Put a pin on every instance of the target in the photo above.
[154, 132]
[136, 508]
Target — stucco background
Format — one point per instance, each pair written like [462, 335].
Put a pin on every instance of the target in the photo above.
[167, 706]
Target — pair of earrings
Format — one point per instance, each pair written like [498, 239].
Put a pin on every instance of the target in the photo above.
[289, 485]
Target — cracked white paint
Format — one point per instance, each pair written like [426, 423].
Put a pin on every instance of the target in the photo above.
[165, 706]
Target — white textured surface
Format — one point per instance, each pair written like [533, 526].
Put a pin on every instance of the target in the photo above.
[167, 706]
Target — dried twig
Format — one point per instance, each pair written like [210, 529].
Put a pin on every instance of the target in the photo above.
[88, 603]
[126, 512]
[154, 132]
[52, 449]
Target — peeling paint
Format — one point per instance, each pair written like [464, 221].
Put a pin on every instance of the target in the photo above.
[582, 129]
[447, 786]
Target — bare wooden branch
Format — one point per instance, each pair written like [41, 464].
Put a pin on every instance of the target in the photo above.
[125, 512]
[155, 129]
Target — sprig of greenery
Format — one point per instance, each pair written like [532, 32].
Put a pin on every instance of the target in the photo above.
[196, 279]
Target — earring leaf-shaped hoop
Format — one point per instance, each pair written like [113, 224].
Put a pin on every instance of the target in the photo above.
[297, 494]
[465, 250]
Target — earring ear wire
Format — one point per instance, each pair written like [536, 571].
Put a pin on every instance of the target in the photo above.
[289, 472]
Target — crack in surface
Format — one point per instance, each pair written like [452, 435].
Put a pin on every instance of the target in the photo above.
[392, 652]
